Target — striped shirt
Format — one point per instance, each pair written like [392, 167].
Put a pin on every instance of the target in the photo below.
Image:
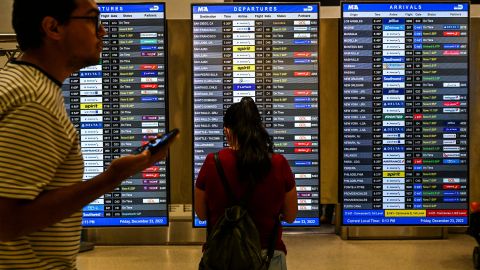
[39, 151]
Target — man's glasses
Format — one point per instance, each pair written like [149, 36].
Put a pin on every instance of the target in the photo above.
[95, 19]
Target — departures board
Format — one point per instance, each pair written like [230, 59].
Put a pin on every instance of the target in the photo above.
[119, 105]
[268, 52]
[404, 113]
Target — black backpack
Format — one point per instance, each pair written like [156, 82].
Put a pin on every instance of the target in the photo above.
[234, 242]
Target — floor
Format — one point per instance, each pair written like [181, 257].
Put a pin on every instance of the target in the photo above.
[314, 251]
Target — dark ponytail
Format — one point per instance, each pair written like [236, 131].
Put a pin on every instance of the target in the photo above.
[254, 142]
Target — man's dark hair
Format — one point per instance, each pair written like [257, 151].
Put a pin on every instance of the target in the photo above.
[28, 15]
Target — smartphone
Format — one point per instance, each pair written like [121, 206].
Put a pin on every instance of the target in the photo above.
[154, 146]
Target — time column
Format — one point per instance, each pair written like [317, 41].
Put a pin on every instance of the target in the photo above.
[228, 67]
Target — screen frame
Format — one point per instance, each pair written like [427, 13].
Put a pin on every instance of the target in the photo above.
[167, 161]
[340, 111]
[318, 102]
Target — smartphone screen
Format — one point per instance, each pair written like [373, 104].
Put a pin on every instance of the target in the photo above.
[155, 146]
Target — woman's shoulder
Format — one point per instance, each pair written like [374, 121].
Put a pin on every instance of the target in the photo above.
[226, 152]
[278, 159]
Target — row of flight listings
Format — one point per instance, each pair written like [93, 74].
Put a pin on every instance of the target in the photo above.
[404, 113]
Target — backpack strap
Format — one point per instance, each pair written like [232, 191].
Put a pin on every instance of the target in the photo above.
[248, 194]
[273, 241]
[225, 184]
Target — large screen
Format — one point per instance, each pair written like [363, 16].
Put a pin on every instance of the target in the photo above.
[268, 52]
[117, 106]
[404, 113]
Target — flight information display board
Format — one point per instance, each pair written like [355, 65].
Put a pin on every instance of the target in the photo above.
[268, 52]
[117, 106]
[405, 113]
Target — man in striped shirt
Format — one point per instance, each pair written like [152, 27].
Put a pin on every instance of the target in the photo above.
[41, 165]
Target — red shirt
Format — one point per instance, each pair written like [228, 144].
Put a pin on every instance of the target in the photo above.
[267, 199]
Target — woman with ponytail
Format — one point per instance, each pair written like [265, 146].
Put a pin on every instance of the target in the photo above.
[249, 163]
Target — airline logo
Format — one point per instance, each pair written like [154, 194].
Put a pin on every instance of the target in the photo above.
[90, 93]
[243, 23]
[93, 163]
[91, 119]
[151, 201]
[303, 163]
[301, 22]
[393, 97]
[91, 131]
[394, 123]
[148, 35]
[393, 65]
[93, 157]
[393, 135]
[451, 148]
[352, 7]
[150, 124]
[393, 161]
[243, 42]
[393, 174]
[303, 118]
[308, 9]
[398, 148]
[451, 161]
[303, 125]
[91, 87]
[244, 74]
[243, 80]
[394, 168]
[303, 137]
[98, 201]
[451, 180]
[92, 68]
[301, 35]
[393, 104]
[244, 94]
[393, 187]
[451, 84]
[303, 175]
[155, 8]
[394, 155]
[91, 144]
[449, 136]
[393, 129]
[243, 55]
[392, 193]
[91, 112]
[451, 110]
[238, 99]
[91, 125]
[243, 36]
[243, 29]
[393, 180]
[93, 170]
[451, 155]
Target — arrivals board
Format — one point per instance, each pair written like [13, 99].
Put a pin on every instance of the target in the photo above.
[117, 106]
[268, 52]
[404, 113]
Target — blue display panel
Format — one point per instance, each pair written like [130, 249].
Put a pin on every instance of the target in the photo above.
[270, 53]
[117, 106]
[404, 113]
